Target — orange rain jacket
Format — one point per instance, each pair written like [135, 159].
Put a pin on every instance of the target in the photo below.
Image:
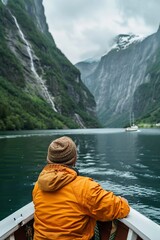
[67, 206]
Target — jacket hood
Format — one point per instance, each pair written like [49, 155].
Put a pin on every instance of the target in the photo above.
[55, 176]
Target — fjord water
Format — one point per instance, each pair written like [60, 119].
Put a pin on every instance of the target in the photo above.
[127, 163]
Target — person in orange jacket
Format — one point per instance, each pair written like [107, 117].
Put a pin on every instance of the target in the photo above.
[67, 205]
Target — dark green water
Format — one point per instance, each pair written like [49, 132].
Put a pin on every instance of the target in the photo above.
[126, 163]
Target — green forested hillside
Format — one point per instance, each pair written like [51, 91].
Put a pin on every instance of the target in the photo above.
[21, 107]
[20, 110]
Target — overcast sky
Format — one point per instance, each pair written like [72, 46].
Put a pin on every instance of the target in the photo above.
[86, 28]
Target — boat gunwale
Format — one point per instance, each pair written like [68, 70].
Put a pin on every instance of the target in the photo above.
[17, 219]
[137, 222]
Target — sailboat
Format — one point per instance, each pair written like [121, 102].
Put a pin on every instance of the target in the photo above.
[132, 126]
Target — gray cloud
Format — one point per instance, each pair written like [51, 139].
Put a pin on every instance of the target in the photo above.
[148, 10]
[74, 9]
[85, 28]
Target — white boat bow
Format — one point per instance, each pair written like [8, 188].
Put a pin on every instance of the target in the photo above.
[135, 227]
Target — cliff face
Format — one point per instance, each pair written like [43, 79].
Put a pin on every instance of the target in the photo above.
[36, 11]
[86, 69]
[119, 76]
[33, 65]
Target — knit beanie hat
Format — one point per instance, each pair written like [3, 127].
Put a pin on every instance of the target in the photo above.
[62, 151]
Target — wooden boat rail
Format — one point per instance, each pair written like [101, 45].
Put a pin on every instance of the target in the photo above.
[135, 227]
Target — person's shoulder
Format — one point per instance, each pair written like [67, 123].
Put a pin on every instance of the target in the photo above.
[83, 186]
[87, 181]
[84, 178]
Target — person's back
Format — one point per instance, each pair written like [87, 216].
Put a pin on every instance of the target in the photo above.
[67, 205]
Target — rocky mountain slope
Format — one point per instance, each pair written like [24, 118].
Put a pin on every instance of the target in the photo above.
[126, 80]
[39, 87]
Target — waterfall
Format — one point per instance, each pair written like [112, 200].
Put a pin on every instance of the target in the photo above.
[4, 2]
[39, 79]
[78, 120]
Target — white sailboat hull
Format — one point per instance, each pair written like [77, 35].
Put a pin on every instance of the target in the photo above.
[132, 128]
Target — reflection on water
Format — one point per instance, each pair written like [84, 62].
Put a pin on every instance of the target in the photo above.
[126, 163]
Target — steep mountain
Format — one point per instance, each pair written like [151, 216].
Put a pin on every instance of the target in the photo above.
[39, 87]
[125, 80]
[87, 68]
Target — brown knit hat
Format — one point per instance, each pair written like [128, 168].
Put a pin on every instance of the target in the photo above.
[62, 151]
